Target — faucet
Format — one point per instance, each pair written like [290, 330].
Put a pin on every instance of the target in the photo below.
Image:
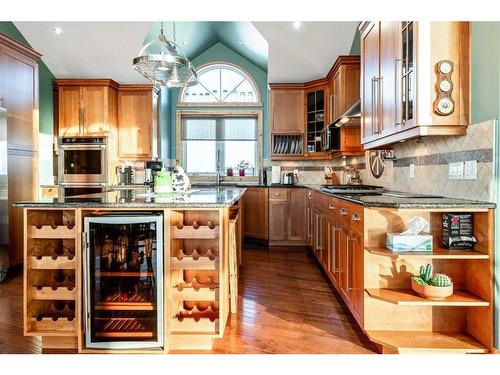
[219, 175]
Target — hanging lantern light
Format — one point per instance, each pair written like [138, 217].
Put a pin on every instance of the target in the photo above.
[162, 62]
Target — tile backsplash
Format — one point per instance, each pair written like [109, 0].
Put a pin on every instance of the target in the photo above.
[430, 155]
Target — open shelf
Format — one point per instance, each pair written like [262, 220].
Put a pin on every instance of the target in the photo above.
[48, 263]
[435, 254]
[61, 325]
[191, 294]
[422, 341]
[125, 327]
[49, 232]
[47, 293]
[135, 302]
[190, 231]
[407, 297]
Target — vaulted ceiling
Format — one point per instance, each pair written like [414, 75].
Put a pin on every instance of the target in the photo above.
[106, 49]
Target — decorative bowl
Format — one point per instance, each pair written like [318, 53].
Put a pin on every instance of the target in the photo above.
[435, 293]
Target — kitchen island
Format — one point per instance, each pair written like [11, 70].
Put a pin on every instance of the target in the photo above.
[185, 256]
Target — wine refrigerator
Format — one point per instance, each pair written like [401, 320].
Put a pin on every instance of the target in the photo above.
[123, 280]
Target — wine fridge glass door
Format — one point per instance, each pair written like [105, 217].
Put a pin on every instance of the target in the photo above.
[123, 280]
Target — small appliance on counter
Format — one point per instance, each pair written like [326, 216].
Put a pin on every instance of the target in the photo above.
[124, 175]
[275, 174]
[150, 169]
[351, 176]
[163, 182]
[289, 178]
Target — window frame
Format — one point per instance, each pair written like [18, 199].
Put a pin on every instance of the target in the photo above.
[218, 113]
[258, 103]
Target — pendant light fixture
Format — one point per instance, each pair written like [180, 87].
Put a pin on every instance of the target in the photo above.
[162, 62]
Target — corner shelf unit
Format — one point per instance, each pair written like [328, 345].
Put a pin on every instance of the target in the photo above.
[399, 320]
[51, 273]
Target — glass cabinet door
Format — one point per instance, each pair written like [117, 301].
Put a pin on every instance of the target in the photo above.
[407, 71]
[123, 280]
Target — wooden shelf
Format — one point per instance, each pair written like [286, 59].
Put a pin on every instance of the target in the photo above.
[407, 297]
[190, 263]
[129, 306]
[188, 232]
[416, 341]
[60, 325]
[46, 231]
[195, 325]
[47, 263]
[191, 294]
[126, 327]
[47, 293]
[435, 254]
[123, 274]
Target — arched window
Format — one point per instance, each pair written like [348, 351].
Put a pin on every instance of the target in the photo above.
[220, 83]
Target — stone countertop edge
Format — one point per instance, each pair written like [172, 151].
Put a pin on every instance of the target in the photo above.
[139, 205]
[407, 203]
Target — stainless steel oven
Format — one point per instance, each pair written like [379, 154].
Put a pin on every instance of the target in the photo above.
[82, 160]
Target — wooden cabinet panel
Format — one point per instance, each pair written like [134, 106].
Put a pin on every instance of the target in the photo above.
[297, 215]
[389, 88]
[69, 111]
[357, 267]
[333, 249]
[135, 124]
[255, 213]
[94, 110]
[278, 220]
[369, 73]
[287, 111]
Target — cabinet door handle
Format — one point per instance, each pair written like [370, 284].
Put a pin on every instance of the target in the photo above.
[372, 102]
[398, 89]
[378, 82]
[334, 249]
[348, 261]
[277, 194]
[343, 211]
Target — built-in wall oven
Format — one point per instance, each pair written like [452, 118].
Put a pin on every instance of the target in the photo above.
[82, 160]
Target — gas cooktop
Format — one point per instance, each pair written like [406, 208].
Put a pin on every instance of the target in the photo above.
[352, 189]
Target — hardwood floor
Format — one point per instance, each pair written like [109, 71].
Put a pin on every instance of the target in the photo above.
[286, 305]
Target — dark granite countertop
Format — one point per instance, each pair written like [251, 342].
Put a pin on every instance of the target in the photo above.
[412, 201]
[142, 198]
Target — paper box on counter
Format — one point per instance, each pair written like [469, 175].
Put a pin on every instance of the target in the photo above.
[409, 242]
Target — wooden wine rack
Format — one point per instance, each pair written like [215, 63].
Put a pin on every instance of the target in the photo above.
[50, 250]
[195, 263]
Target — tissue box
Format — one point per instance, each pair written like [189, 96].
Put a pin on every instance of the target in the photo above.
[409, 242]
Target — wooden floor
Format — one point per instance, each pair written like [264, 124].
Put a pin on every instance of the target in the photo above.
[286, 306]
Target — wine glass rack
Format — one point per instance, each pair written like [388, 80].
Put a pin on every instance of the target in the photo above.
[51, 272]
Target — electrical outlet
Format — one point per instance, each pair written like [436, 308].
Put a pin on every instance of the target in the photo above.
[456, 171]
[412, 170]
[470, 170]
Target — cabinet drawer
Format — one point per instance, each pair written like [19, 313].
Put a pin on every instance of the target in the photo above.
[276, 194]
[350, 214]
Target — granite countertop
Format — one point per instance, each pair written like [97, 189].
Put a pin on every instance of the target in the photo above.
[142, 198]
[411, 201]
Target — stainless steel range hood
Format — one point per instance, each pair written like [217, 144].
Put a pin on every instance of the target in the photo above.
[350, 117]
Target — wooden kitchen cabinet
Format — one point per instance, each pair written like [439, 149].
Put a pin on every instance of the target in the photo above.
[256, 213]
[404, 93]
[19, 97]
[137, 122]
[86, 107]
[343, 86]
[287, 111]
[287, 216]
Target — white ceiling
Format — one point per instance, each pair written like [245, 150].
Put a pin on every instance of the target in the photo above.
[106, 49]
[307, 53]
[88, 49]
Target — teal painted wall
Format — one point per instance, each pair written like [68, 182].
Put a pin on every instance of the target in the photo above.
[356, 44]
[220, 52]
[45, 82]
[486, 106]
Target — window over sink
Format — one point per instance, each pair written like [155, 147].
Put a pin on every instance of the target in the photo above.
[219, 142]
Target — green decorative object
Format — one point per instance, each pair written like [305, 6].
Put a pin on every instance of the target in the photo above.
[426, 273]
[163, 182]
[440, 279]
[419, 281]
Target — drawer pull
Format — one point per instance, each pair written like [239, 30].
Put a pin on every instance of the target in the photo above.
[343, 211]
[277, 194]
[331, 206]
[355, 217]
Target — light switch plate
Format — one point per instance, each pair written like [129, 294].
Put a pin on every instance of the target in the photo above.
[470, 170]
[412, 170]
[456, 171]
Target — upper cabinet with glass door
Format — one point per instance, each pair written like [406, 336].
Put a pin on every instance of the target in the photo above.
[415, 80]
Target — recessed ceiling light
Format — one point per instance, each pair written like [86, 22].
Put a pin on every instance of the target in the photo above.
[185, 42]
[297, 25]
[57, 30]
[240, 42]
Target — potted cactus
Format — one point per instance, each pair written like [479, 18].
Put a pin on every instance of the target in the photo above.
[435, 287]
